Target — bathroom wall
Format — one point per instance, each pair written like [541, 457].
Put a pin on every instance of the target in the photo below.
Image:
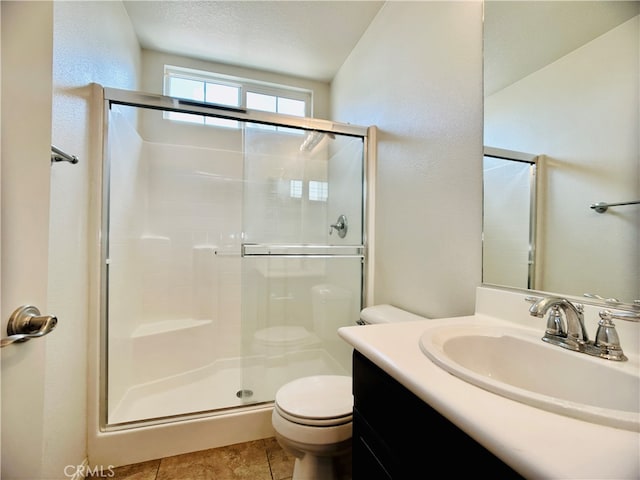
[93, 42]
[540, 115]
[417, 75]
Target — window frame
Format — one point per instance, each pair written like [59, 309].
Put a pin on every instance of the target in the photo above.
[244, 85]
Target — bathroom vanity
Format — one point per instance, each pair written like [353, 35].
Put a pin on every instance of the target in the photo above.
[411, 416]
[387, 441]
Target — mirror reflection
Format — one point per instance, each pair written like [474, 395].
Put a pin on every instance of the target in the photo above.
[509, 236]
[569, 98]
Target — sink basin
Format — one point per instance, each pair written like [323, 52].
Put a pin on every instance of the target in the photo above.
[516, 364]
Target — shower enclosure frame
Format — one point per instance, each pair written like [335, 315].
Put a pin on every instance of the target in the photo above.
[113, 96]
[533, 162]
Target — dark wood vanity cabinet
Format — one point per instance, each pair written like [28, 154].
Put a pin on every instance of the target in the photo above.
[398, 436]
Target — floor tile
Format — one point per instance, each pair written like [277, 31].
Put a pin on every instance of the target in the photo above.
[138, 471]
[280, 462]
[257, 460]
[245, 461]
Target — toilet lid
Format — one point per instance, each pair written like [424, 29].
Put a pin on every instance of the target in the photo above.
[319, 399]
[282, 334]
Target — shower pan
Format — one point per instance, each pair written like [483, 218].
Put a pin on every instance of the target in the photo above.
[224, 271]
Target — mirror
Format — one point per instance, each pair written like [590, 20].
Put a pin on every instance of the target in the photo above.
[562, 86]
[509, 212]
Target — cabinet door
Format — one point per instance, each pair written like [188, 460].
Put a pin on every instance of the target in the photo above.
[406, 437]
[371, 457]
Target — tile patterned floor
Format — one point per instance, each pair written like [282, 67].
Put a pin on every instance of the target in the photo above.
[257, 460]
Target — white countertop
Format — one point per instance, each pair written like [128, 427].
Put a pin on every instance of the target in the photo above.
[534, 442]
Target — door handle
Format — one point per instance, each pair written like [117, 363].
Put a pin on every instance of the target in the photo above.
[26, 323]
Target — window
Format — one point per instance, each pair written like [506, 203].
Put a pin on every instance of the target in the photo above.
[318, 191]
[231, 91]
[295, 189]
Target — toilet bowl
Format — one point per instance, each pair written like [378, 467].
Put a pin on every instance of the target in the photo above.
[312, 416]
[330, 304]
[282, 339]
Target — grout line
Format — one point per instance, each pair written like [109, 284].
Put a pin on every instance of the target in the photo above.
[266, 453]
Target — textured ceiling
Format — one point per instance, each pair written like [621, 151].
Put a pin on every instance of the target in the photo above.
[311, 39]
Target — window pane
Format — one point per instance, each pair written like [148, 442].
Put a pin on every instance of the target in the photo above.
[184, 117]
[289, 106]
[221, 122]
[318, 191]
[258, 101]
[295, 188]
[184, 88]
[222, 94]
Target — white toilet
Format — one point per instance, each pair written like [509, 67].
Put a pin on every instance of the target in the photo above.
[312, 416]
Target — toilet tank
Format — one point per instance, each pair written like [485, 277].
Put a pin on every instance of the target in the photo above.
[331, 309]
[386, 313]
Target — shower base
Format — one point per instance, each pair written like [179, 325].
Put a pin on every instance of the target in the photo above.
[215, 386]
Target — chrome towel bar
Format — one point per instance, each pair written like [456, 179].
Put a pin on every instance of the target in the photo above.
[602, 207]
[58, 155]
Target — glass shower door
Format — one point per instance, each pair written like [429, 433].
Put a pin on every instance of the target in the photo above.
[172, 264]
[221, 276]
[302, 255]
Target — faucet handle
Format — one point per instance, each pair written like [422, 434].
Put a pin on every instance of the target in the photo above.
[607, 339]
[631, 316]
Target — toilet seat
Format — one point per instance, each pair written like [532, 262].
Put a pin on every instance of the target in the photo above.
[314, 422]
[320, 400]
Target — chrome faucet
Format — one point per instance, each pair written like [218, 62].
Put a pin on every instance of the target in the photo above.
[573, 335]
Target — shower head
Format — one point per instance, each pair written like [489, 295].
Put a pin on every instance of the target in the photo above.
[311, 140]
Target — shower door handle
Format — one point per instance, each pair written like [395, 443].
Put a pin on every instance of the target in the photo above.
[26, 323]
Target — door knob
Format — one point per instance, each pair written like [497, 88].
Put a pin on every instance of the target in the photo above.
[26, 323]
